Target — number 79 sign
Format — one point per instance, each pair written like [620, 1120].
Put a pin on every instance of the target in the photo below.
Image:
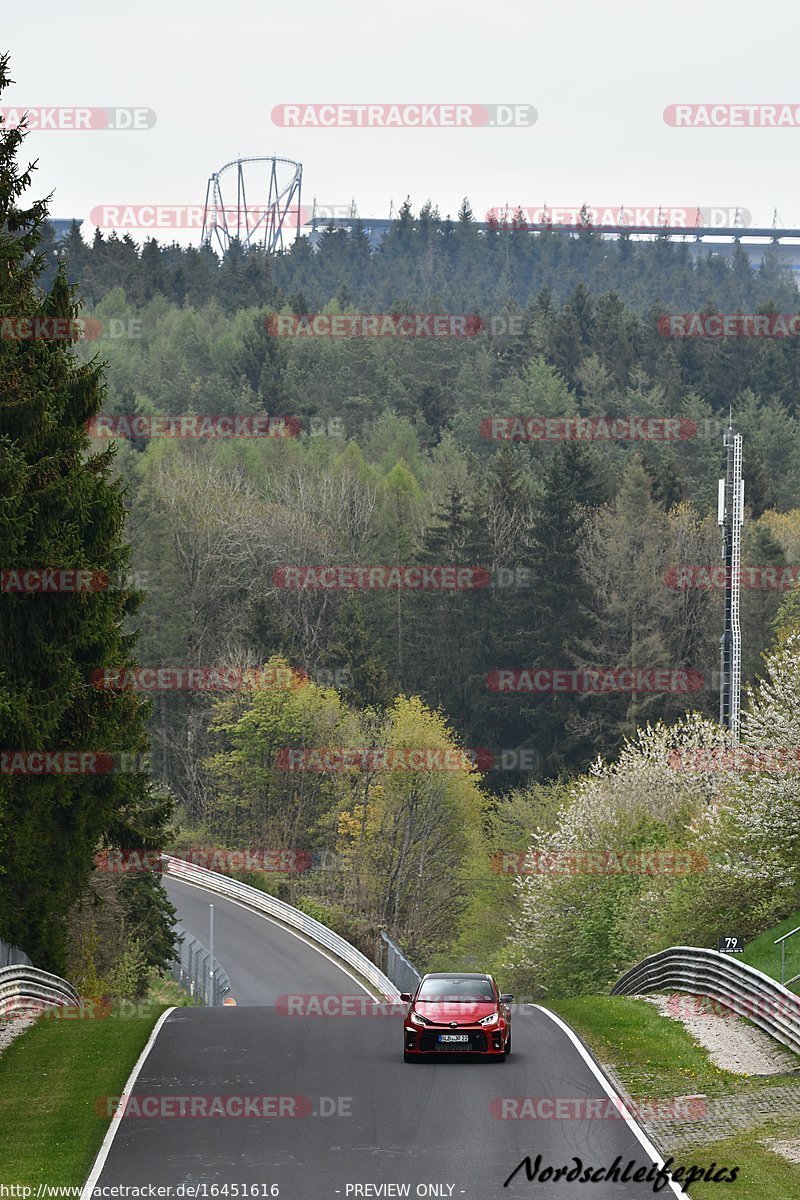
[730, 945]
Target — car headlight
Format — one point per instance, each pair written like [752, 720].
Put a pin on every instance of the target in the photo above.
[416, 1019]
[492, 1019]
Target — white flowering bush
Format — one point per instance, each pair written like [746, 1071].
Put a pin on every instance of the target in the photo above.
[602, 890]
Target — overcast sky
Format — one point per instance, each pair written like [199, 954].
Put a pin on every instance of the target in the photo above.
[598, 75]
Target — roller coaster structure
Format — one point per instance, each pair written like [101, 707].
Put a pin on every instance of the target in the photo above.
[275, 184]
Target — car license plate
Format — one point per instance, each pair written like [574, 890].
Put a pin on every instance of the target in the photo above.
[453, 1037]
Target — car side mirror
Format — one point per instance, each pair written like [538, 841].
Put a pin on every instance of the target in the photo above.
[406, 996]
[506, 997]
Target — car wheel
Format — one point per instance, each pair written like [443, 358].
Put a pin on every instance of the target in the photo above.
[409, 1057]
[508, 1044]
[501, 1057]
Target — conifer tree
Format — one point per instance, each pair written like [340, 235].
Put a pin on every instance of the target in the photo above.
[61, 511]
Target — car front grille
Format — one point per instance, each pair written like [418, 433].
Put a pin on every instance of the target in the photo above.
[477, 1043]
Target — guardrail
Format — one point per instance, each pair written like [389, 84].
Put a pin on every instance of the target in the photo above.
[12, 956]
[781, 941]
[195, 969]
[748, 992]
[400, 970]
[27, 989]
[314, 930]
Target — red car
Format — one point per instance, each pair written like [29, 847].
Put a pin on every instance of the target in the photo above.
[457, 1014]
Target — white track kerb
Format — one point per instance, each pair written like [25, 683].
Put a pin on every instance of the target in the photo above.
[111, 1132]
[635, 1129]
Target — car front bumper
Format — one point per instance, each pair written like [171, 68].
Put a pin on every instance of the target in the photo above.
[487, 1042]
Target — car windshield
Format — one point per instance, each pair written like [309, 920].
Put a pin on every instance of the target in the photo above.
[456, 990]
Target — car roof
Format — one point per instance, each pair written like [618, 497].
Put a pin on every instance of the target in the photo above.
[455, 975]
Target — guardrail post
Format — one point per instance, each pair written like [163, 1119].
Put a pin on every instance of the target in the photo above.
[198, 971]
[211, 998]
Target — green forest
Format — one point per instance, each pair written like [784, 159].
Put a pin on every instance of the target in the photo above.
[577, 543]
[393, 465]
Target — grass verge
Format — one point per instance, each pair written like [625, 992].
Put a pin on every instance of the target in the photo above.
[51, 1078]
[167, 992]
[762, 1172]
[765, 956]
[653, 1055]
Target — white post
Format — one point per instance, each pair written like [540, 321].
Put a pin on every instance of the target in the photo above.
[211, 947]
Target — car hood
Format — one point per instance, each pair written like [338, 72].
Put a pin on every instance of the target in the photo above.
[464, 1012]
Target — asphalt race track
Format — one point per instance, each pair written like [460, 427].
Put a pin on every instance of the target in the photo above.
[262, 959]
[355, 1117]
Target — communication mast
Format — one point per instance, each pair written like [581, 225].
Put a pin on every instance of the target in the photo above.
[274, 187]
[730, 516]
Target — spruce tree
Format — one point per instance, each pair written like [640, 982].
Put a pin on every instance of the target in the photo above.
[349, 649]
[561, 601]
[446, 626]
[61, 511]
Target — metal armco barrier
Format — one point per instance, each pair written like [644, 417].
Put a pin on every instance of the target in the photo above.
[25, 989]
[748, 992]
[194, 970]
[400, 970]
[12, 956]
[314, 930]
